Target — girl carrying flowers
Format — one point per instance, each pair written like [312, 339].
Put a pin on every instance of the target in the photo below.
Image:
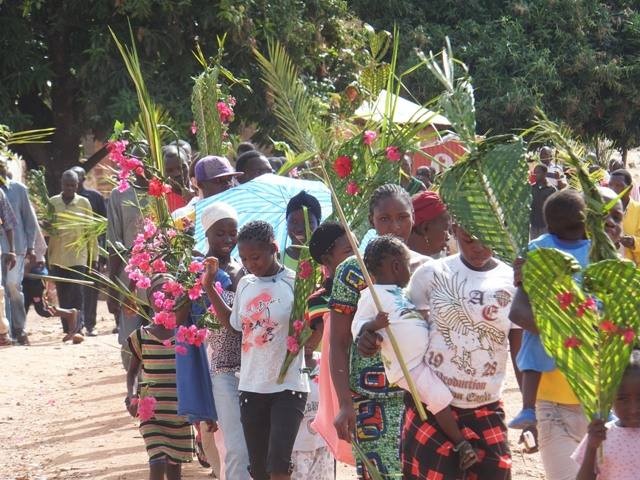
[167, 436]
[270, 412]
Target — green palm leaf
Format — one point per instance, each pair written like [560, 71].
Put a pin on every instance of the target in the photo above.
[571, 152]
[487, 191]
[590, 346]
[7, 137]
[488, 194]
[150, 117]
[293, 106]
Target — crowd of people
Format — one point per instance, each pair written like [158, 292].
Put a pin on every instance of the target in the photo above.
[457, 313]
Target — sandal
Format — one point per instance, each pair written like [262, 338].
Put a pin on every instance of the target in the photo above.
[467, 454]
[202, 458]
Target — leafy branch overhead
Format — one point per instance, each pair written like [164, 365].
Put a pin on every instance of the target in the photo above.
[486, 191]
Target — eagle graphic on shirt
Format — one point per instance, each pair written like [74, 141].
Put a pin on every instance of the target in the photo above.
[461, 334]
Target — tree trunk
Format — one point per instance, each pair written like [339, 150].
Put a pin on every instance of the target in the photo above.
[65, 145]
[625, 151]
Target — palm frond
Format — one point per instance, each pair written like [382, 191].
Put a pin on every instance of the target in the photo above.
[572, 152]
[488, 194]
[591, 346]
[150, 115]
[293, 106]
[7, 137]
[457, 101]
[92, 226]
[39, 196]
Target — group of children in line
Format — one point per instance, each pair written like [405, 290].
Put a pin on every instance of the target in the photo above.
[452, 320]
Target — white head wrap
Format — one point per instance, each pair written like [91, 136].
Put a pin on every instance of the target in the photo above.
[217, 211]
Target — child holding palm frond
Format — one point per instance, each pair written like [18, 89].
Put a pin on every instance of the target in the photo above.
[619, 439]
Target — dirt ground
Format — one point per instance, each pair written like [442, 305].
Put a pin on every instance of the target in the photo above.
[62, 414]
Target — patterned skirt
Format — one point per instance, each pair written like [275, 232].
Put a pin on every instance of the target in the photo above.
[427, 454]
[379, 409]
[170, 440]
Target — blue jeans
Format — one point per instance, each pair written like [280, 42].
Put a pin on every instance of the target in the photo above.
[225, 396]
[13, 297]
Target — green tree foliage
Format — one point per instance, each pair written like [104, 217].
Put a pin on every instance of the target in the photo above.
[577, 59]
[59, 66]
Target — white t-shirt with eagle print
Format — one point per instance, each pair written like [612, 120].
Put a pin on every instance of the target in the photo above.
[469, 326]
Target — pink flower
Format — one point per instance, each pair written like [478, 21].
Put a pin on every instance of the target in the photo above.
[149, 229]
[305, 269]
[146, 408]
[158, 266]
[195, 292]
[158, 299]
[116, 149]
[181, 334]
[218, 287]
[167, 342]
[572, 342]
[143, 282]
[369, 136]
[628, 335]
[181, 350]
[231, 100]
[173, 288]
[194, 128]
[168, 304]
[292, 344]
[201, 336]
[343, 166]
[225, 112]
[167, 319]
[565, 299]
[608, 326]
[393, 153]
[352, 188]
[172, 233]
[196, 267]
[123, 186]
[298, 326]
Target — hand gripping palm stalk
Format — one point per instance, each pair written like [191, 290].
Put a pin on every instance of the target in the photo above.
[306, 280]
[590, 326]
[486, 191]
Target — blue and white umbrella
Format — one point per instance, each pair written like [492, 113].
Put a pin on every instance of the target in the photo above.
[264, 198]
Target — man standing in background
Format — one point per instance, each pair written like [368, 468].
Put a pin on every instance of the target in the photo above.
[124, 221]
[99, 207]
[68, 252]
[24, 231]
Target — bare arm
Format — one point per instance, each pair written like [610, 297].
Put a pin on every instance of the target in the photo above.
[597, 434]
[515, 340]
[132, 376]
[339, 366]
[223, 312]
[521, 313]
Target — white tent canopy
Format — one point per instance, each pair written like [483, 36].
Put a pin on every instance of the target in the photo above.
[405, 111]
